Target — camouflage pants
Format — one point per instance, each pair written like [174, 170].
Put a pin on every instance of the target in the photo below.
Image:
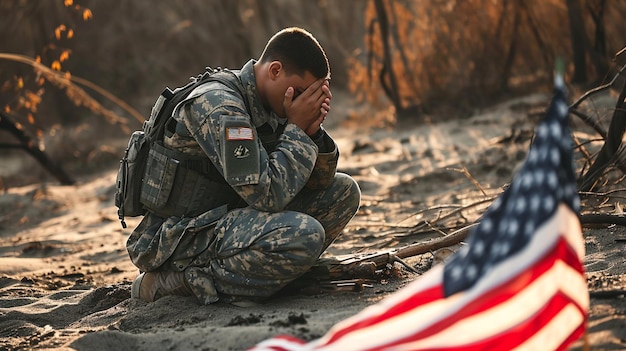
[250, 254]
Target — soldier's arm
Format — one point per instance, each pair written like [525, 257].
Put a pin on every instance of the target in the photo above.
[326, 163]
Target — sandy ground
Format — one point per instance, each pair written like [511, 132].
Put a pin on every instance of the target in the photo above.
[65, 275]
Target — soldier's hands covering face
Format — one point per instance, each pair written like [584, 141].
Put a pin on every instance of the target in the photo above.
[309, 108]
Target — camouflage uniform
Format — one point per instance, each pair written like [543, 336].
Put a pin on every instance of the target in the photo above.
[293, 203]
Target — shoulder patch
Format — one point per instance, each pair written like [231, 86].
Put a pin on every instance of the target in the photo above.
[240, 151]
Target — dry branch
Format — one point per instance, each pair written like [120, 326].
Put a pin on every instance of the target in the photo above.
[77, 94]
[27, 143]
[367, 265]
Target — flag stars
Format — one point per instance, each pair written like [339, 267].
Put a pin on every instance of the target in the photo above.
[566, 143]
[539, 176]
[529, 228]
[495, 250]
[556, 130]
[532, 156]
[527, 180]
[478, 248]
[456, 272]
[562, 108]
[548, 204]
[503, 226]
[513, 228]
[520, 205]
[505, 247]
[576, 204]
[471, 272]
[553, 180]
[499, 249]
[559, 82]
[555, 157]
[487, 225]
[569, 191]
[535, 202]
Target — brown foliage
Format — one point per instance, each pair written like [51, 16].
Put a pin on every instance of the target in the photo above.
[468, 52]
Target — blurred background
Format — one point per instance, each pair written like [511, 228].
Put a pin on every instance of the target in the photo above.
[78, 76]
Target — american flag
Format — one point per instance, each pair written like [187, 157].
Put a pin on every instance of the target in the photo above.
[518, 284]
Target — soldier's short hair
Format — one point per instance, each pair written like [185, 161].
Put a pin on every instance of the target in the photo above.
[298, 51]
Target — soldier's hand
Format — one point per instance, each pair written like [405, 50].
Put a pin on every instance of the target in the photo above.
[308, 109]
[324, 110]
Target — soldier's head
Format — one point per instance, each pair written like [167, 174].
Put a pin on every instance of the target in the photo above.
[298, 52]
[292, 57]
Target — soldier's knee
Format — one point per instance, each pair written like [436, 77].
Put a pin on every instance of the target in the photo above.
[317, 235]
[352, 192]
[307, 234]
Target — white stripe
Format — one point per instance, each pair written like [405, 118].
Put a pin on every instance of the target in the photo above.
[553, 334]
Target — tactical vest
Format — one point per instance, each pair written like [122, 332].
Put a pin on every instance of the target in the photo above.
[176, 184]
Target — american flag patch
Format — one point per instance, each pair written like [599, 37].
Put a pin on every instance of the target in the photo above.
[239, 133]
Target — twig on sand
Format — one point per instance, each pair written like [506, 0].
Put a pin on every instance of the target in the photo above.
[420, 227]
[470, 177]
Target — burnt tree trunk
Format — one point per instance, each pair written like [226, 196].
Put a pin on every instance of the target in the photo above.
[390, 87]
[577, 36]
[512, 51]
[608, 152]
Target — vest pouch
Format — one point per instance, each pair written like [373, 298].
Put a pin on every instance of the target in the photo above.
[158, 179]
[129, 177]
[172, 188]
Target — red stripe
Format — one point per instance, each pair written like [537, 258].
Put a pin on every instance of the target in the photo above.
[498, 294]
[577, 333]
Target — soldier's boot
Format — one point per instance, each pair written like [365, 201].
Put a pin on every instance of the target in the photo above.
[152, 286]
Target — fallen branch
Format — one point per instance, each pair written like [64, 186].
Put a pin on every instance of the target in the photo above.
[602, 218]
[608, 294]
[367, 265]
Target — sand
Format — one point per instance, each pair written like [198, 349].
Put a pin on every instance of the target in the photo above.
[65, 275]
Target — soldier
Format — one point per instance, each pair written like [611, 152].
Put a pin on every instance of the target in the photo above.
[267, 204]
